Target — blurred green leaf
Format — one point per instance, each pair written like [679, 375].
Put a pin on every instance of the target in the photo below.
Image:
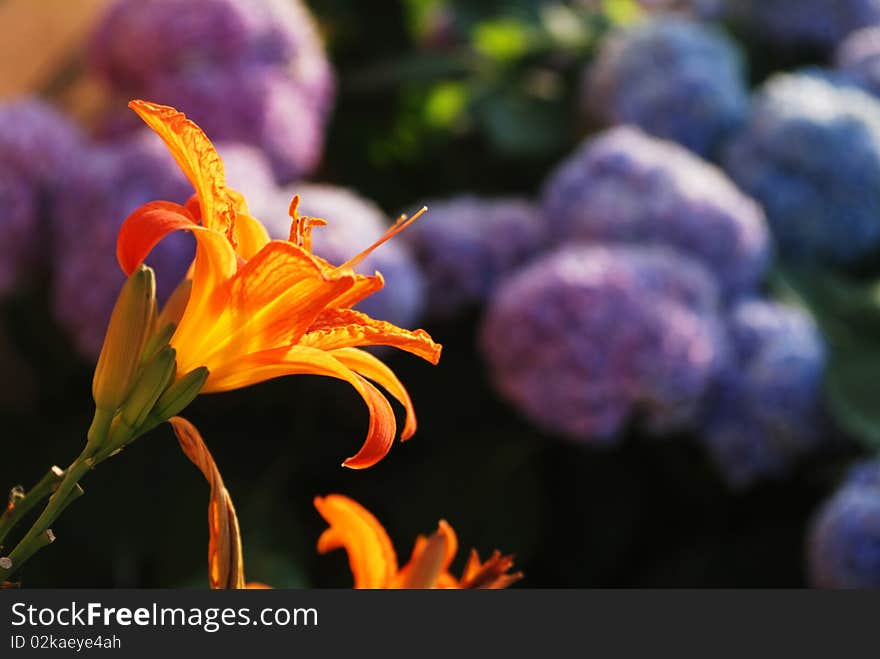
[521, 125]
[502, 39]
[445, 103]
[621, 12]
[853, 394]
[565, 26]
[849, 314]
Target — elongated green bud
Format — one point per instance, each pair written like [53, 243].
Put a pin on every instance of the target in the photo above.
[154, 378]
[179, 395]
[156, 342]
[130, 324]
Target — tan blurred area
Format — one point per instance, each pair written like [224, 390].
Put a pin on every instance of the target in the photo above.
[41, 50]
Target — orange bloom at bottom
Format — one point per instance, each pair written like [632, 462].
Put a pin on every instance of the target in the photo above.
[374, 562]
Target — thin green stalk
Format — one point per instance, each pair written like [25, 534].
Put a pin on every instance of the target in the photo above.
[67, 491]
[31, 498]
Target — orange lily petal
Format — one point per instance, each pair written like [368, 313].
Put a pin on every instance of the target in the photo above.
[345, 328]
[354, 528]
[215, 260]
[430, 559]
[300, 360]
[493, 574]
[375, 369]
[362, 288]
[250, 235]
[225, 562]
[196, 157]
[145, 227]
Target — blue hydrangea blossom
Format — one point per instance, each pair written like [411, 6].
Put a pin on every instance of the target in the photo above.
[467, 243]
[677, 79]
[767, 411]
[624, 186]
[810, 154]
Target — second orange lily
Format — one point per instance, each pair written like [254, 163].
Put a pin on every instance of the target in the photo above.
[256, 308]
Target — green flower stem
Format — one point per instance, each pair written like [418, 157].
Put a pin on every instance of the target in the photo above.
[22, 506]
[67, 491]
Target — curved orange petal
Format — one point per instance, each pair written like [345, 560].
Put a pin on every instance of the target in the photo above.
[355, 529]
[250, 235]
[376, 370]
[196, 157]
[364, 286]
[145, 227]
[346, 328]
[298, 360]
[225, 562]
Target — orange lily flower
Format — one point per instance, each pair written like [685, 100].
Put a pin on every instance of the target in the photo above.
[256, 308]
[374, 562]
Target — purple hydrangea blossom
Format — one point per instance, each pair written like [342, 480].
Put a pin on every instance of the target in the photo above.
[254, 105]
[245, 71]
[790, 24]
[858, 58]
[19, 223]
[466, 244]
[810, 154]
[624, 186]
[36, 142]
[94, 197]
[844, 539]
[767, 412]
[677, 79]
[138, 41]
[585, 339]
[353, 224]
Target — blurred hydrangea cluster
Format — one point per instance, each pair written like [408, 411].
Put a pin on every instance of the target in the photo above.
[767, 409]
[858, 58]
[36, 142]
[844, 541]
[678, 79]
[99, 188]
[625, 186]
[251, 71]
[790, 24]
[587, 337]
[465, 244]
[810, 154]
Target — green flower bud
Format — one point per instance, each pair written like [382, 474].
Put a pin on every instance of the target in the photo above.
[130, 323]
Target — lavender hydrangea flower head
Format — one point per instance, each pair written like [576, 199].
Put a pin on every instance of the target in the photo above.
[767, 411]
[35, 143]
[844, 539]
[467, 243]
[625, 186]
[858, 58]
[352, 222]
[789, 24]
[137, 42]
[585, 339]
[251, 71]
[810, 154]
[254, 105]
[19, 223]
[93, 198]
[675, 78]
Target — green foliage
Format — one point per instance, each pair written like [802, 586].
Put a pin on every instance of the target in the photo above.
[849, 314]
